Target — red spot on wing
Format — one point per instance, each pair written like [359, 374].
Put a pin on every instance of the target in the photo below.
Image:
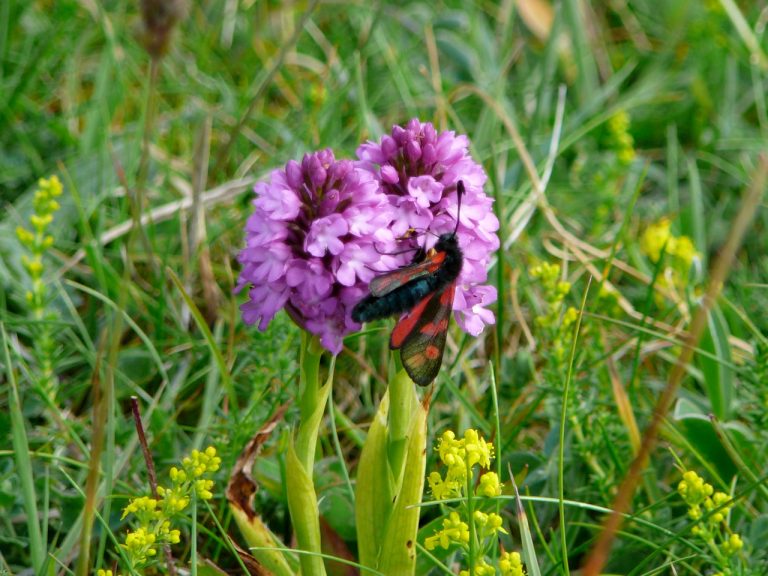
[407, 323]
[432, 352]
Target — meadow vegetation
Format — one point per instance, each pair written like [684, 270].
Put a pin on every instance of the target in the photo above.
[626, 150]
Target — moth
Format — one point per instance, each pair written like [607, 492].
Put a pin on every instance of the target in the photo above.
[423, 293]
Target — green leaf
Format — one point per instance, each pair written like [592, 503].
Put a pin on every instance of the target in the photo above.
[302, 503]
[259, 538]
[697, 429]
[302, 499]
[23, 460]
[398, 550]
[375, 489]
[716, 367]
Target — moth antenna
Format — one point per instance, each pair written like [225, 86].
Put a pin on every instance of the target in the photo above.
[459, 193]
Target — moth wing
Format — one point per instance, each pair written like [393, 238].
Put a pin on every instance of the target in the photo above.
[421, 334]
[386, 283]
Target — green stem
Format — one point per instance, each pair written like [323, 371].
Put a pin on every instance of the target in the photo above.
[302, 500]
[471, 519]
[137, 198]
[23, 460]
[309, 389]
[193, 536]
[402, 399]
[563, 418]
[338, 450]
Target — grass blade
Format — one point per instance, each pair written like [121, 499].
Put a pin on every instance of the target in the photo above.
[23, 460]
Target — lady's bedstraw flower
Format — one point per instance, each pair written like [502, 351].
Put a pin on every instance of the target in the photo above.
[488, 524]
[154, 515]
[658, 238]
[482, 568]
[711, 509]
[489, 485]
[454, 532]
[37, 241]
[695, 492]
[680, 255]
[418, 169]
[313, 243]
[460, 457]
[511, 564]
[557, 319]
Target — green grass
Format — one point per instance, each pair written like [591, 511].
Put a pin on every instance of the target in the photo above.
[541, 90]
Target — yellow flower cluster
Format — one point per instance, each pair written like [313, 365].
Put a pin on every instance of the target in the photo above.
[549, 276]
[557, 318]
[489, 485]
[461, 456]
[714, 529]
[694, 491]
[658, 238]
[198, 463]
[511, 564]
[144, 508]
[37, 241]
[175, 498]
[488, 524]
[140, 546]
[154, 515]
[455, 531]
[482, 568]
[621, 139]
[678, 251]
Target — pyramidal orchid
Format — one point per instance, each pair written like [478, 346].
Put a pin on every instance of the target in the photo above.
[312, 245]
[418, 169]
[322, 228]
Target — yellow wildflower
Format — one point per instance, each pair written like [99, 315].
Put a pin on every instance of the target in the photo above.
[693, 489]
[488, 524]
[477, 449]
[655, 238]
[140, 545]
[454, 531]
[198, 463]
[481, 569]
[511, 564]
[732, 545]
[203, 489]
[621, 138]
[443, 489]
[718, 499]
[144, 508]
[658, 237]
[489, 485]
[154, 515]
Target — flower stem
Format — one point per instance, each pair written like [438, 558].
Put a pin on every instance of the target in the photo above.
[193, 536]
[402, 399]
[471, 519]
[309, 390]
[302, 500]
